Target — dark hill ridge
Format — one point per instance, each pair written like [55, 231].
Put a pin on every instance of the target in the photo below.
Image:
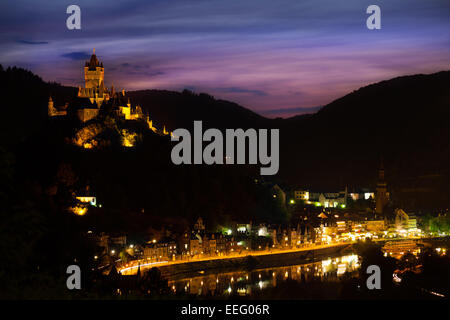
[24, 98]
[405, 120]
[180, 109]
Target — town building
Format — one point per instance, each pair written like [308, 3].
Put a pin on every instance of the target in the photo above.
[210, 244]
[362, 194]
[195, 244]
[199, 226]
[329, 199]
[165, 249]
[376, 226]
[404, 222]
[301, 195]
[88, 200]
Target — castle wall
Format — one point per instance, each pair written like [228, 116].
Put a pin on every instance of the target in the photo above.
[87, 114]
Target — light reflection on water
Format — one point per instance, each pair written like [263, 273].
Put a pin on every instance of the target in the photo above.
[245, 282]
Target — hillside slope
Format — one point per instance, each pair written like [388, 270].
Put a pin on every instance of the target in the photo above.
[404, 120]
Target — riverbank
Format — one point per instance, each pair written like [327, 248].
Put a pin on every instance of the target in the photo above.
[253, 261]
[259, 258]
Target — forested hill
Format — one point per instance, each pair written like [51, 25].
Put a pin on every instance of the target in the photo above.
[405, 120]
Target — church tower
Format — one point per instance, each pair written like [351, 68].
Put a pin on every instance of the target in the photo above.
[382, 194]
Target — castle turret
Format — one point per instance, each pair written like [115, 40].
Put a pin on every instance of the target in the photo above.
[54, 112]
[94, 72]
[51, 108]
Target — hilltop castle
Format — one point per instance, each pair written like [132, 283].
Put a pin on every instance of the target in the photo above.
[95, 97]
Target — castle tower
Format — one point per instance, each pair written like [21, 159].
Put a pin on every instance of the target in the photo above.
[94, 73]
[55, 112]
[382, 195]
[51, 108]
[94, 89]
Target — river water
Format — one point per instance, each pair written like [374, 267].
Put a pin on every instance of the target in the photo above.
[248, 283]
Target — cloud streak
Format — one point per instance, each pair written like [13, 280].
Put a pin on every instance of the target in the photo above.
[77, 55]
[32, 42]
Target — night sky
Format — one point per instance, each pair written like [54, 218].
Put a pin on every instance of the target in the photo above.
[276, 57]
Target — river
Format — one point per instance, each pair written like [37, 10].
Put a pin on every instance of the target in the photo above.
[247, 283]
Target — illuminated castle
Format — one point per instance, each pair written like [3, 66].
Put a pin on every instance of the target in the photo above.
[95, 94]
[95, 97]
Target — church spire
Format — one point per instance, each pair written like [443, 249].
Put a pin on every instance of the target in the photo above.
[382, 195]
[381, 170]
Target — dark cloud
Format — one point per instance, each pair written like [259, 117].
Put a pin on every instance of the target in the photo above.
[76, 55]
[290, 111]
[155, 73]
[32, 42]
[134, 66]
[241, 90]
[146, 73]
